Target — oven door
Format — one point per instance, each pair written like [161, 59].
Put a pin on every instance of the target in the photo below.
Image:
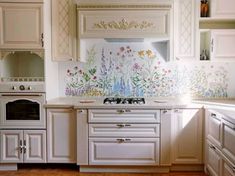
[22, 110]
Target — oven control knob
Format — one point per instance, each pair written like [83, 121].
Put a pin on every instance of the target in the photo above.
[14, 88]
[29, 88]
[22, 87]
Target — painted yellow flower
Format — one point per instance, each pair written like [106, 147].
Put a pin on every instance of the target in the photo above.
[141, 53]
[150, 54]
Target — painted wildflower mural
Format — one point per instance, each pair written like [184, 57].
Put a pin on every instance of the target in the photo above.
[124, 70]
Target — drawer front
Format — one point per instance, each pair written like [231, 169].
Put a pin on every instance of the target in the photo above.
[123, 116]
[126, 130]
[214, 126]
[123, 23]
[213, 160]
[228, 136]
[123, 151]
[228, 169]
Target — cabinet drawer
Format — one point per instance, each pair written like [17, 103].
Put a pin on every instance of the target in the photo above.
[124, 151]
[228, 169]
[123, 116]
[228, 136]
[214, 126]
[213, 159]
[123, 23]
[127, 130]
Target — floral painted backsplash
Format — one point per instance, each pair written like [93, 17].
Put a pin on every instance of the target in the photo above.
[129, 70]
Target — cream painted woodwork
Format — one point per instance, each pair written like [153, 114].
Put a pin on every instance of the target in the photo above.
[123, 116]
[213, 159]
[123, 151]
[121, 23]
[228, 169]
[187, 136]
[20, 146]
[21, 25]
[82, 137]
[127, 130]
[165, 156]
[11, 146]
[222, 42]
[34, 146]
[228, 139]
[61, 136]
[63, 30]
[213, 130]
[222, 9]
[186, 30]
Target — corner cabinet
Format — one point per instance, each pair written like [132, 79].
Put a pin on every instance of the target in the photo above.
[21, 25]
[63, 30]
[61, 136]
[187, 136]
[23, 146]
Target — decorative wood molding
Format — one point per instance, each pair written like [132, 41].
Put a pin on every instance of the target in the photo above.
[5, 53]
[148, 6]
[123, 25]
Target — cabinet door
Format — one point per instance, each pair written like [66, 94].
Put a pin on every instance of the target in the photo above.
[214, 127]
[61, 136]
[34, 146]
[223, 9]
[228, 169]
[11, 146]
[222, 45]
[21, 25]
[187, 136]
[186, 29]
[63, 30]
[213, 159]
[228, 139]
[122, 151]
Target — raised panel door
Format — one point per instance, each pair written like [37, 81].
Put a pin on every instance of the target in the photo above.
[21, 25]
[228, 169]
[187, 136]
[11, 146]
[61, 136]
[34, 146]
[223, 9]
[222, 42]
[123, 151]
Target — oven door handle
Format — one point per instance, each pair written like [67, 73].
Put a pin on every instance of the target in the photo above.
[21, 95]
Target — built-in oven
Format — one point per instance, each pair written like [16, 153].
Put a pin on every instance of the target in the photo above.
[23, 108]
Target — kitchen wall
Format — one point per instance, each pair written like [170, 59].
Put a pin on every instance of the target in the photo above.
[140, 69]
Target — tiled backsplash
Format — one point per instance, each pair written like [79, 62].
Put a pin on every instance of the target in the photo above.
[133, 69]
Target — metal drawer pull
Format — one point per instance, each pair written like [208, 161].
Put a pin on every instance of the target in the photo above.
[24, 146]
[128, 110]
[120, 110]
[164, 111]
[121, 140]
[120, 125]
[213, 115]
[21, 147]
[212, 147]
[127, 140]
[127, 125]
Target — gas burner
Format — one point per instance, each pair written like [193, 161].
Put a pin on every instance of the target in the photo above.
[114, 100]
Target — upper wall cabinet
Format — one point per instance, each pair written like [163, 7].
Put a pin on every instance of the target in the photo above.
[185, 29]
[21, 25]
[123, 23]
[63, 30]
[222, 8]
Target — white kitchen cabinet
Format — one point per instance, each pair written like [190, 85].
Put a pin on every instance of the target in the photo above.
[187, 136]
[228, 168]
[21, 25]
[61, 136]
[165, 157]
[63, 30]
[222, 9]
[27, 146]
[186, 30]
[123, 151]
[213, 159]
[228, 139]
[213, 130]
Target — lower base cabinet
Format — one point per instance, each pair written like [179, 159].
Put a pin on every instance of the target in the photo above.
[28, 146]
[124, 151]
[61, 136]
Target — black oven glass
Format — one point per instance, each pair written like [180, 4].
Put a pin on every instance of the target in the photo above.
[22, 110]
